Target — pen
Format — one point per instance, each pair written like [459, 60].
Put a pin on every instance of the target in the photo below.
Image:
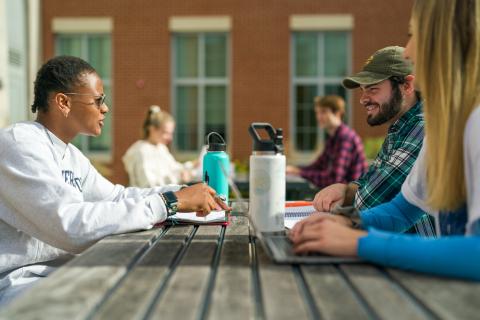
[206, 178]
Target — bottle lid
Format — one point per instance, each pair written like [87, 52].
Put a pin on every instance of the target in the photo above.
[274, 144]
[215, 146]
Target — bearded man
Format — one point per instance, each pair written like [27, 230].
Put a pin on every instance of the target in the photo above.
[389, 97]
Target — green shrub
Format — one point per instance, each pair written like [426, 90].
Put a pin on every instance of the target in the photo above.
[372, 146]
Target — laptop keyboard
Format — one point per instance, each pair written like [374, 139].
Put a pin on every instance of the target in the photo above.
[281, 250]
[283, 244]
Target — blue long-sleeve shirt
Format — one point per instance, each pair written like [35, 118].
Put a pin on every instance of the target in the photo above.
[457, 256]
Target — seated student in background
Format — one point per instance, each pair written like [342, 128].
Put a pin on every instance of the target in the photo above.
[53, 202]
[148, 162]
[445, 181]
[343, 158]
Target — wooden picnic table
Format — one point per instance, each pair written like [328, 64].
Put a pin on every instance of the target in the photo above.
[217, 272]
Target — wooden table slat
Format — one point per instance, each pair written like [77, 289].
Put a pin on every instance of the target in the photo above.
[447, 298]
[76, 288]
[383, 296]
[238, 227]
[281, 296]
[184, 293]
[232, 294]
[333, 296]
[133, 299]
[208, 232]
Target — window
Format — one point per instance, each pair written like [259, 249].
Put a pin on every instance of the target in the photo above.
[320, 62]
[17, 52]
[200, 87]
[96, 49]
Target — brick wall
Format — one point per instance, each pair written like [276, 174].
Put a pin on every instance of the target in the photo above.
[260, 56]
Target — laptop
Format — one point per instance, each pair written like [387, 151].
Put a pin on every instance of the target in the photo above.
[278, 246]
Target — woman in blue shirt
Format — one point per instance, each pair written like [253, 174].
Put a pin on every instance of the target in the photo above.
[444, 45]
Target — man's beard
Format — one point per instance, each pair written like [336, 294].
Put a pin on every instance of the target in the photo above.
[388, 110]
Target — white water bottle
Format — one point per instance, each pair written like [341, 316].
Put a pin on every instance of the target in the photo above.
[267, 179]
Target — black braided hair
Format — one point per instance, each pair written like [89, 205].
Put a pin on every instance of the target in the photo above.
[59, 74]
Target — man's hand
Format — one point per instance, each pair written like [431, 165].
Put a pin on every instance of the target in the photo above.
[327, 236]
[328, 197]
[293, 170]
[200, 198]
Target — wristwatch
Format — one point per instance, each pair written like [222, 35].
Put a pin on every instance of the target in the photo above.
[350, 213]
[171, 202]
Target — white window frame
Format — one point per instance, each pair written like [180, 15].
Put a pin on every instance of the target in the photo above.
[318, 24]
[200, 82]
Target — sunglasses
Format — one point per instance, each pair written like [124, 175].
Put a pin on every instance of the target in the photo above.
[99, 100]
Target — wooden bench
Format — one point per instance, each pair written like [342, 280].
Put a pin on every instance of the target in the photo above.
[215, 272]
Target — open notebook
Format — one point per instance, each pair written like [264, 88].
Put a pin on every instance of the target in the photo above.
[192, 218]
[296, 211]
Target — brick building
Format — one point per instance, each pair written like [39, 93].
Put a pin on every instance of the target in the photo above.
[220, 65]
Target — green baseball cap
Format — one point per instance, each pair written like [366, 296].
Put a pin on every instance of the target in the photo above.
[383, 64]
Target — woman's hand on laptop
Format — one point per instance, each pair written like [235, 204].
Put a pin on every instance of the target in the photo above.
[314, 218]
[200, 198]
[327, 236]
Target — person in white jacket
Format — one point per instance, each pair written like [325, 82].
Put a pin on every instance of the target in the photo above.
[53, 203]
[148, 161]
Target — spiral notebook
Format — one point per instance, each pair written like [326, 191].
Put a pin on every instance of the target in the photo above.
[296, 211]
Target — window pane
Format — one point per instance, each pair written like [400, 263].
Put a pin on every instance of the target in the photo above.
[306, 137]
[69, 45]
[215, 55]
[215, 106]
[306, 54]
[187, 117]
[104, 141]
[197, 92]
[336, 89]
[186, 55]
[99, 55]
[335, 54]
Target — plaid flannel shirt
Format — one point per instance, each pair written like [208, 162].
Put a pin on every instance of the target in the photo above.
[343, 160]
[393, 163]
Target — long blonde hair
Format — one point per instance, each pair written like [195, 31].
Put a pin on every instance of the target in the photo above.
[157, 118]
[448, 73]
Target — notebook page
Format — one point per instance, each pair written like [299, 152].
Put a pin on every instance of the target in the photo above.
[298, 212]
[293, 214]
[214, 216]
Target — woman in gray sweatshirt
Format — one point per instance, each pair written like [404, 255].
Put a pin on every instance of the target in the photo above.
[53, 202]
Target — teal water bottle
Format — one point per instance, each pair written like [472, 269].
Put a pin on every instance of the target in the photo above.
[216, 164]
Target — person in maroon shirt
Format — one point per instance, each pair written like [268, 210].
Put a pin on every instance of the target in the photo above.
[343, 159]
